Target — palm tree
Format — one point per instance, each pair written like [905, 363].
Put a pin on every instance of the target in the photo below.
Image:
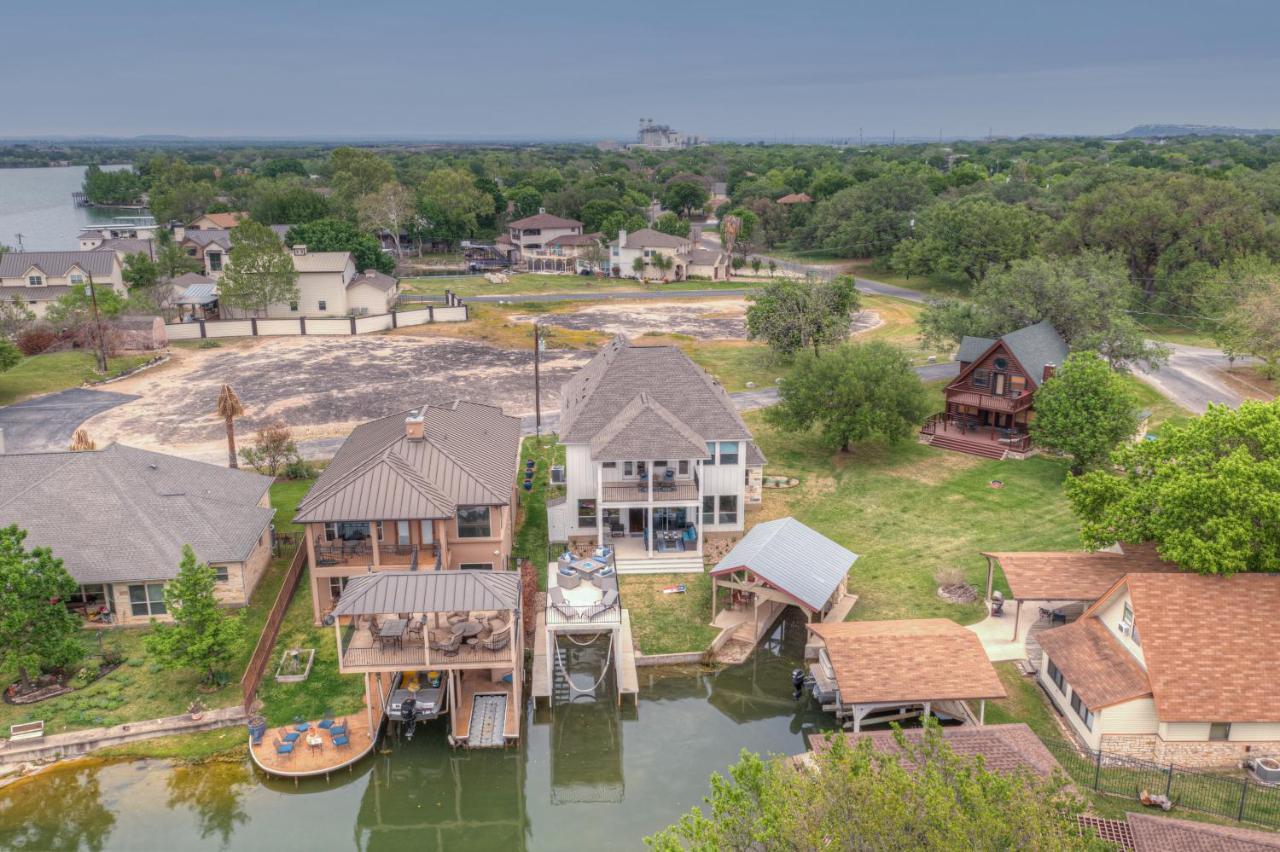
[229, 408]
[81, 442]
[638, 267]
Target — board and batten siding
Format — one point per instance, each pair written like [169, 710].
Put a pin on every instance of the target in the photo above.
[1128, 717]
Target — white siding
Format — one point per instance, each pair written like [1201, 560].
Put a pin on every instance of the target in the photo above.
[1112, 614]
[727, 479]
[1130, 717]
[1063, 699]
[372, 300]
[1255, 731]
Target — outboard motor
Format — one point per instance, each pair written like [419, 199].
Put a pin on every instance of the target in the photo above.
[409, 716]
[797, 683]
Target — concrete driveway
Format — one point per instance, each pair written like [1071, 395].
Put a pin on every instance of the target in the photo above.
[47, 422]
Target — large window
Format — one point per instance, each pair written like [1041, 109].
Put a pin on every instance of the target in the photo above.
[402, 533]
[215, 260]
[473, 522]
[586, 513]
[35, 280]
[1219, 731]
[728, 452]
[1085, 714]
[980, 378]
[220, 574]
[1056, 676]
[476, 566]
[708, 510]
[336, 587]
[147, 599]
[346, 531]
[77, 279]
[711, 453]
[428, 535]
[728, 508]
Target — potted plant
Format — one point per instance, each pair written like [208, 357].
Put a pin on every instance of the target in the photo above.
[196, 708]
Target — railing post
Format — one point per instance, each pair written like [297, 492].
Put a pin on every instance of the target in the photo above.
[1097, 770]
[1244, 792]
[1168, 784]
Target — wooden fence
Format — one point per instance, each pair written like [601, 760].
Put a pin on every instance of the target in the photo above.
[271, 630]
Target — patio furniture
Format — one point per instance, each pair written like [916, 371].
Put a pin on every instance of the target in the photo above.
[690, 535]
[392, 632]
[301, 726]
[341, 741]
[456, 617]
[497, 641]
[556, 596]
[339, 728]
[315, 741]
[282, 747]
[288, 735]
[449, 647]
[1053, 615]
[467, 629]
[327, 721]
[997, 604]
[607, 601]
[570, 581]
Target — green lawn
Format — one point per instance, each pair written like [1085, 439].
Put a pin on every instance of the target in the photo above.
[57, 371]
[668, 624]
[531, 521]
[1026, 703]
[1163, 409]
[909, 510]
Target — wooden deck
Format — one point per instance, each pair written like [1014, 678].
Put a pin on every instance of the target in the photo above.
[683, 491]
[628, 680]
[471, 684]
[541, 675]
[305, 761]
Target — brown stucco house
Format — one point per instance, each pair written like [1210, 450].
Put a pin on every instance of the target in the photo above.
[430, 489]
[118, 519]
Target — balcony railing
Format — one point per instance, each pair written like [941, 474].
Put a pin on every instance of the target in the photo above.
[361, 553]
[362, 649]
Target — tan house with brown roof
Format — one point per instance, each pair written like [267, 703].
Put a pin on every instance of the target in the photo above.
[1172, 667]
[688, 260]
[217, 221]
[431, 489]
[533, 236]
[40, 278]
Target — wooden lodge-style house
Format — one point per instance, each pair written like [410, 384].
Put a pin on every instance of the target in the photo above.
[990, 405]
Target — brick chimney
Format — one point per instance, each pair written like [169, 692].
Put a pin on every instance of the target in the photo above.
[622, 238]
[414, 425]
[1049, 370]
[300, 251]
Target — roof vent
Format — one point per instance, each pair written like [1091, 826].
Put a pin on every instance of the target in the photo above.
[415, 426]
[300, 251]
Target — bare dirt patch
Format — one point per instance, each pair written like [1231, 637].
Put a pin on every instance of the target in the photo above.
[709, 319]
[939, 469]
[1249, 382]
[321, 386]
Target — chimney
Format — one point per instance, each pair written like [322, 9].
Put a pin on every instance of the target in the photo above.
[542, 210]
[300, 251]
[414, 427]
[622, 238]
[179, 233]
[369, 273]
[695, 234]
[1049, 370]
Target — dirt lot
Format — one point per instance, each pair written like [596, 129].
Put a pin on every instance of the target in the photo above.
[321, 386]
[712, 319]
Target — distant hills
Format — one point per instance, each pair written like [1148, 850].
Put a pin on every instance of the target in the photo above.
[1146, 131]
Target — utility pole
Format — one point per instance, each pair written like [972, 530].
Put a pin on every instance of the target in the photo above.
[19, 236]
[537, 381]
[97, 320]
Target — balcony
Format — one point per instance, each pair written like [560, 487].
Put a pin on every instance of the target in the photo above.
[360, 553]
[369, 647]
[664, 491]
[1016, 402]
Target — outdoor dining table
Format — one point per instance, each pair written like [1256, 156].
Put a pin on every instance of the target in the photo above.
[588, 567]
[315, 741]
[392, 630]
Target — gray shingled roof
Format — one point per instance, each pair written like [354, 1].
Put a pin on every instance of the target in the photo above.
[649, 238]
[374, 278]
[643, 429]
[468, 457]
[545, 220]
[128, 245]
[209, 236]
[613, 378]
[792, 558]
[705, 257]
[14, 264]
[429, 591]
[123, 514]
[755, 458]
[1035, 346]
[971, 348]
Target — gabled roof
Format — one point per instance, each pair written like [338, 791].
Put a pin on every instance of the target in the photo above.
[198, 293]
[127, 245]
[575, 239]
[705, 256]
[186, 279]
[1098, 668]
[429, 591]
[1074, 575]
[56, 264]
[545, 220]
[796, 198]
[225, 220]
[755, 458]
[1034, 347]
[1162, 834]
[792, 558]
[649, 238]
[121, 514]
[926, 659]
[321, 261]
[468, 457]
[613, 378]
[374, 278]
[1208, 643]
[1007, 748]
[644, 429]
[209, 236]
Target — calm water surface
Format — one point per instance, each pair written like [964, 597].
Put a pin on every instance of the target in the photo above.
[587, 776]
[37, 204]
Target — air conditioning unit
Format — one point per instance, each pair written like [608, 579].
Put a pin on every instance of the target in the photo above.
[1266, 769]
[1126, 629]
[557, 474]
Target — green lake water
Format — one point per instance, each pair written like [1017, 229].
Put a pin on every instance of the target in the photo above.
[36, 203]
[586, 776]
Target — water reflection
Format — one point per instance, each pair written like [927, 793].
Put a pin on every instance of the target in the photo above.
[586, 733]
[63, 810]
[214, 792]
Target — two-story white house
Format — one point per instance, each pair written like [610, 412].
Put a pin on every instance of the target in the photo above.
[328, 286]
[39, 278]
[687, 259]
[1173, 667]
[657, 459]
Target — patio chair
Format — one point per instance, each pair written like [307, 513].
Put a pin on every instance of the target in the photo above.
[283, 748]
[341, 741]
[499, 640]
[449, 648]
[415, 628]
[556, 596]
[458, 617]
[997, 603]
[570, 581]
[608, 600]
[327, 721]
[339, 728]
[375, 625]
[288, 735]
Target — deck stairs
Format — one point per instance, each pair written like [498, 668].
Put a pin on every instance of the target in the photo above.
[560, 691]
[691, 564]
[488, 716]
[973, 448]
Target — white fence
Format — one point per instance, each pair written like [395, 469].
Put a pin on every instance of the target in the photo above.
[295, 326]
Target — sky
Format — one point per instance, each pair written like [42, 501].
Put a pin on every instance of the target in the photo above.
[567, 69]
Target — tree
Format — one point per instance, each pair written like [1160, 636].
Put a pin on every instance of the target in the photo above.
[792, 315]
[113, 188]
[81, 442]
[357, 172]
[141, 275]
[921, 795]
[620, 221]
[171, 260]
[74, 309]
[15, 317]
[203, 636]
[1087, 298]
[273, 449]
[388, 210]
[181, 200]
[969, 236]
[526, 199]
[259, 271]
[10, 355]
[869, 218]
[450, 204]
[853, 393]
[670, 223]
[284, 166]
[229, 408]
[1253, 328]
[37, 631]
[1084, 411]
[638, 266]
[663, 263]
[1204, 492]
[338, 235]
[286, 202]
[685, 196]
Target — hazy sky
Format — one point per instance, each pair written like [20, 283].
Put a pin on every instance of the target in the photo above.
[558, 69]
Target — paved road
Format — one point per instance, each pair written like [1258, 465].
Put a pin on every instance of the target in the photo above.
[47, 422]
[1192, 378]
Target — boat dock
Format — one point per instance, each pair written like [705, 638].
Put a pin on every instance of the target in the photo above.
[485, 713]
[625, 653]
[541, 670]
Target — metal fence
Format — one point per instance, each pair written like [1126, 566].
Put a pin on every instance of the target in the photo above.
[1236, 797]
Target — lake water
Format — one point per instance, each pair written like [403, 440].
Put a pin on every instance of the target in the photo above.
[586, 776]
[37, 204]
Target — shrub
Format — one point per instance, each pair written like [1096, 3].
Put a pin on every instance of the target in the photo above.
[299, 469]
[111, 656]
[36, 339]
[209, 344]
[950, 576]
[84, 677]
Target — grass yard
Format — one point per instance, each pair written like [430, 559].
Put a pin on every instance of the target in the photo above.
[668, 624]
[527, 285]
[531, 519]
[57, 371]
[1163, 410]
[1026, 703]
[909, 510]
[938, 286]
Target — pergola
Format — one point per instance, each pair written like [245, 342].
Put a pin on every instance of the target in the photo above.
[895, 666]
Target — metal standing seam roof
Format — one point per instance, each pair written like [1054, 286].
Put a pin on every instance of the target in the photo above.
[592, 398]
[202, 293]
[468, 457]
[644, 429]
[793, 558]
[429, 591]
[14, 264]
[123, 514]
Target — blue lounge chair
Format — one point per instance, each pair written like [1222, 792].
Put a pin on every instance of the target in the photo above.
[326, 722]
[283, 747]
[290, 736]
[340, 741]
[302, 727]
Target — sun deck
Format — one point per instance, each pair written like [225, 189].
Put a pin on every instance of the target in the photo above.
[307, 761]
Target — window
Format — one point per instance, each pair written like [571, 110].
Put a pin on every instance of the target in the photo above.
[402, 533]
[35, 280]
[428, 534]
[997, 383]
[728, 452]
[1056, 676]
[377, 526]
[711, 453]
[683, 467]
[215, 260]
[658, 464]
[1018, 384]
[346, 531]
[473, 522]
[1219, 731]
[322, 305]
[642, 469]
[147, 599]
[1001, 363]
[293, 306]
[610, 465]
[90, 594]
[77, 279]
[647, 253]
[708, 510]
[586, 513]
[728, 508]
[476, 566]
[336, 587]
[628, 469]
[981, 378]
[220, 574]
[1085, 714]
